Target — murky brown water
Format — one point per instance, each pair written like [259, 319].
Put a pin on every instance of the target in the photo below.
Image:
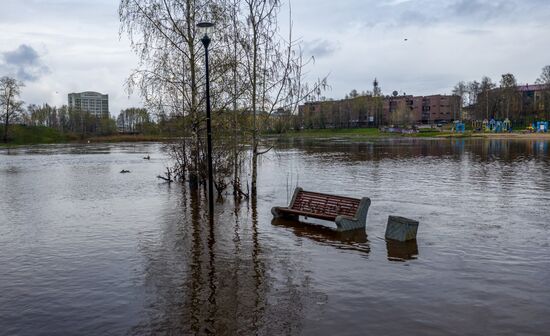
[87, 250]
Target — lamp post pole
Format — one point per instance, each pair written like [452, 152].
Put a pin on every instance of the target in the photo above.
[206, 42]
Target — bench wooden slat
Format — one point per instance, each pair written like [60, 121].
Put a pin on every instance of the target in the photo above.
[299, 201]
[328, 204]
[314, 194]
[331, 202]
[323, 206]
[304, 195]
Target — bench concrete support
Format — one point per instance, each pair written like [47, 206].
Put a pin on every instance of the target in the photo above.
[401, 228]
[279, 214]
[345, 223]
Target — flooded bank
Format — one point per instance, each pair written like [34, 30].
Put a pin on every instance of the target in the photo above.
[87, 250]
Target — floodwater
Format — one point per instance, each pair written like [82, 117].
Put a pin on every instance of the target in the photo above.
[86, 250]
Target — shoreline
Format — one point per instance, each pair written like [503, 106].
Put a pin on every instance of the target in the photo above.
[352, 134]
[357, 134]
[90, 140]
[503, 136]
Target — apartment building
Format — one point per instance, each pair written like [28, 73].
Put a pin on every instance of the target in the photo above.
[368, 111]
[94, 103]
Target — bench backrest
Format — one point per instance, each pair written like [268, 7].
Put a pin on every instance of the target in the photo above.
[324, 205]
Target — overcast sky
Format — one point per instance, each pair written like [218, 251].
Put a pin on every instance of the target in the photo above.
[413, 46]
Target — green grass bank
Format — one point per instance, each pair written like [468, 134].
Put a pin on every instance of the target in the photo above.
[30, 135]
[20, 135]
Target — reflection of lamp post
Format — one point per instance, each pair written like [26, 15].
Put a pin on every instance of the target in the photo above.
[205, 27]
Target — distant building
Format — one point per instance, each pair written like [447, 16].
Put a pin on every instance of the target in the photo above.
[523, 105]
[534, 100]
[369, 111]
[425, 109]
[281, 113]
[361, 111]
[94, 103]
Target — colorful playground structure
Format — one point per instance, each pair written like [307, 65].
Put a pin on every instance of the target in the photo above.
[497, 126]
[459, 127]
[541, 126]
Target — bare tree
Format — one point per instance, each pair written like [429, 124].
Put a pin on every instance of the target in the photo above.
[353, 94]
[378, 105]
[133, 119]
[474, 88]
[253, 72]
[274, 67]
[402, 114]
[170, 77]
[508, 87]
[460, 90]
[10, 105]
[544, 80]
[486, 87]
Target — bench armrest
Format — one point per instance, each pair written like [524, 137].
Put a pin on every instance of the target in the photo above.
[294, 196]
[358, 221]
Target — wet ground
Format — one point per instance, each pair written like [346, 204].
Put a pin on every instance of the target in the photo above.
[87, 250]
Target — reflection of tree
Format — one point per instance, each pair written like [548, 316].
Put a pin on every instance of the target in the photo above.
[196, 262]
[258, 267]
[219, 278]
[410, 148]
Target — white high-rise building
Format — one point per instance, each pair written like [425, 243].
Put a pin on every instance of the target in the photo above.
[95, 103]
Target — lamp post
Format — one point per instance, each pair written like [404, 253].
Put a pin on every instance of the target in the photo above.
[205, 27]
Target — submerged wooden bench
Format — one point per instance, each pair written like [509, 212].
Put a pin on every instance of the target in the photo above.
[348, 213]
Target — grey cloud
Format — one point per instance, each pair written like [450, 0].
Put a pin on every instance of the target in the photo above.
[25, 63]
[466, 7]
[413, 17]
[320, 48]
[425, 13]
[483, 9]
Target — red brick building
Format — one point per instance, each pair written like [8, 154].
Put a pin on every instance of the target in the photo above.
[369, 111]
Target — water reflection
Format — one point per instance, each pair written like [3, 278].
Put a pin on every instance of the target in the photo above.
[259, 270]
[355, 240]
[196, 282]
[401, 251]
[86, 250]
[400, 148]
[217, 282]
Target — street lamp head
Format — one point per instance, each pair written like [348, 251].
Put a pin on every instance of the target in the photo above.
[205, 27]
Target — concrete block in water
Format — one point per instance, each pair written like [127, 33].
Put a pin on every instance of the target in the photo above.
[401, 228]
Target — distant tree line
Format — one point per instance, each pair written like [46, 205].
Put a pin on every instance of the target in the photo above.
[506, 99]
[135, 120]
[68, 120]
